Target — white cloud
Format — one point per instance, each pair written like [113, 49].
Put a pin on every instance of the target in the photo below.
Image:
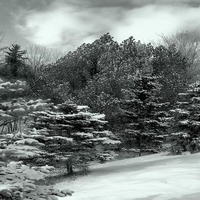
[46, 28]
[149, 22]
[68, 26]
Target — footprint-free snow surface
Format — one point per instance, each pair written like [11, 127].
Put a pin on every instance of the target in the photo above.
[154, 177]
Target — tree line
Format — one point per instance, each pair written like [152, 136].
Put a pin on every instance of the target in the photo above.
[134, 84]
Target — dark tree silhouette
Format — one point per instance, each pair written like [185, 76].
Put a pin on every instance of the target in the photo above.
[14, 58]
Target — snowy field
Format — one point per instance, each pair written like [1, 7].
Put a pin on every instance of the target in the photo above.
[154, 177]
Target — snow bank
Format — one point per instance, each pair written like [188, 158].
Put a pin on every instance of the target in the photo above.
[154, 177]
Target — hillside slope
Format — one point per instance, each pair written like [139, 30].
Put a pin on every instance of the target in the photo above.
[154, 177]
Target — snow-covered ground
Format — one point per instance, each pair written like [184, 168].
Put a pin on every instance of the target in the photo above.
[154, 177]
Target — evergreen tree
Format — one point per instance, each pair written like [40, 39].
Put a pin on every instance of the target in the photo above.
[75, 136]
[171, 67]
[185, 129]
[14, 58]
[77, 68]
[142, 114]
[117, 65]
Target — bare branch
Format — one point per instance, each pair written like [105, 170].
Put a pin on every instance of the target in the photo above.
[2, 48]
[38, 56]
[188, 43]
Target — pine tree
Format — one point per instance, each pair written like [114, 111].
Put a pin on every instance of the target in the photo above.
[142, 114]
[172, 69]
[185, 129]
[75, 136]
[14, 58]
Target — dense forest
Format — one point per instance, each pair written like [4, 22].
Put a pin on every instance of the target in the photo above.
[106, 100]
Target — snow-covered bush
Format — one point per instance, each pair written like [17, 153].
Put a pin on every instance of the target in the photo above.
[19, 144]
[18, 179]
[14, 114]
[12, 89]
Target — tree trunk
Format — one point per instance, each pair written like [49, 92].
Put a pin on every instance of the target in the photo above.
[140, 145]
[69, 167]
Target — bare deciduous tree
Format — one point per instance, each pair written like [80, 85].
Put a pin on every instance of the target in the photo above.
[2, 48]
[188, 43]
[38, 56]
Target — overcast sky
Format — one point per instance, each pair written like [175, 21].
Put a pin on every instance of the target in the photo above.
[66, 24]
